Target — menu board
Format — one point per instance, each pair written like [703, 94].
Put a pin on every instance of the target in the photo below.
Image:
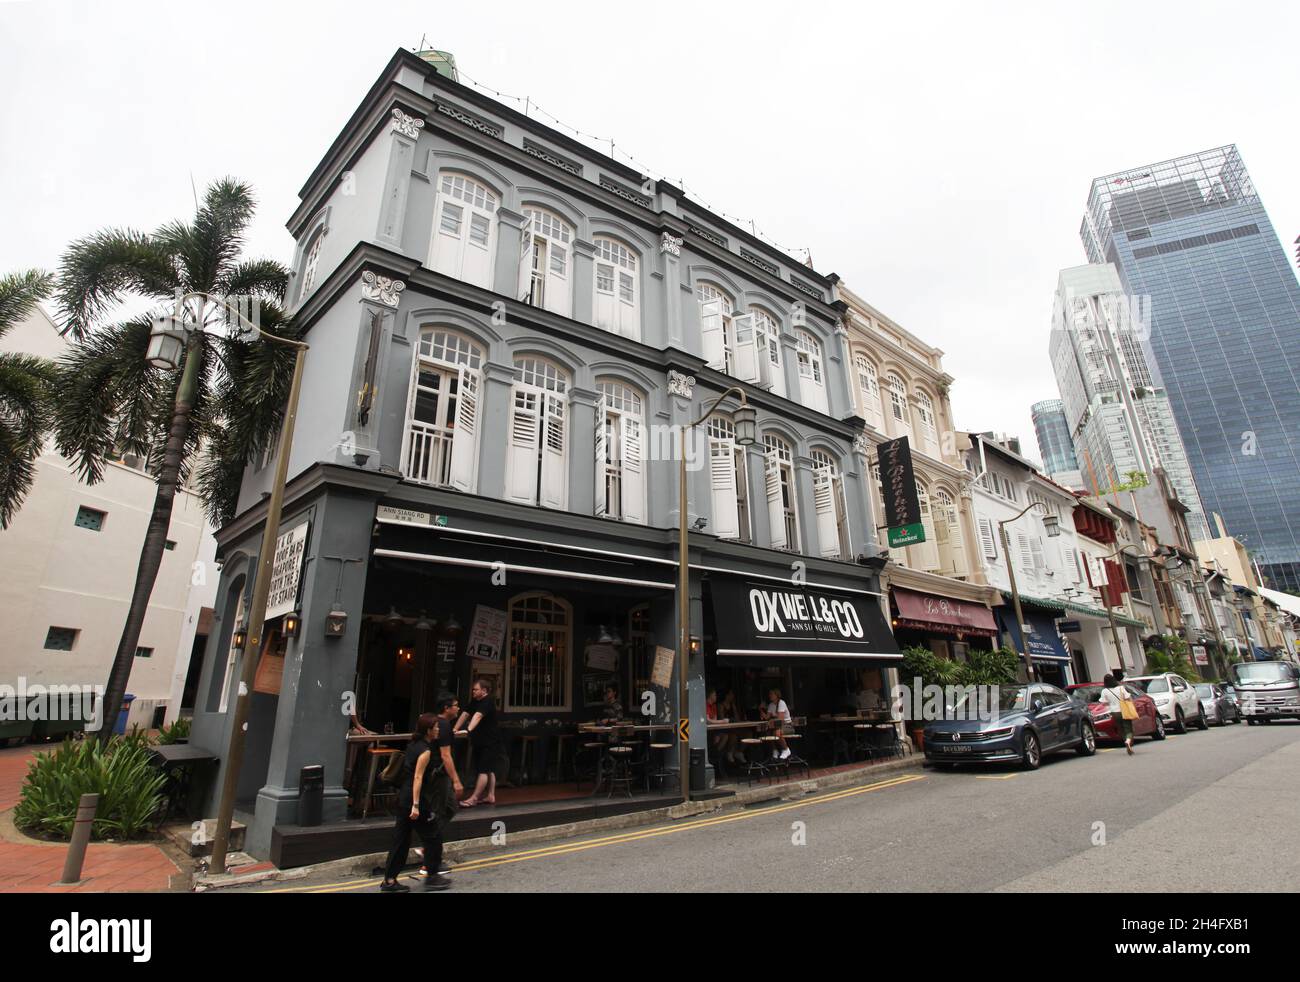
[488, 634]
[662, 672]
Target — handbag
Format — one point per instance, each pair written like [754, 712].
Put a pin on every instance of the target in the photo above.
[1128, 709]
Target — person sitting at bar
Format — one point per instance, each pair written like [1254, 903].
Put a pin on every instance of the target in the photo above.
[777, 710]
[485, 741]
[724, 744]
[612, 710]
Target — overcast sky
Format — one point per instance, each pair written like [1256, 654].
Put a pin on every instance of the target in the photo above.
[937, 156]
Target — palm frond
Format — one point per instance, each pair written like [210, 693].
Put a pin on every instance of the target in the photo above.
[97, 271]
[25, 383]
[19, 293]
[219, 226]
[264, 279]
[109, 398]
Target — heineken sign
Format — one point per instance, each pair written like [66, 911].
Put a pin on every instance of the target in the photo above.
[898, 489]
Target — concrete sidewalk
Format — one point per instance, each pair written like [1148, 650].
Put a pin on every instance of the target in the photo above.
[31, 866]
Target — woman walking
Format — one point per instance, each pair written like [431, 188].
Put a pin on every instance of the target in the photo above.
[1116, 696]
[429, 788]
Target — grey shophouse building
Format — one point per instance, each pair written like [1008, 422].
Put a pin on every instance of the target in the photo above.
[506, 328]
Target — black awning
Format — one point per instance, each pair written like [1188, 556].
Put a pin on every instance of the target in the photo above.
[771, 622]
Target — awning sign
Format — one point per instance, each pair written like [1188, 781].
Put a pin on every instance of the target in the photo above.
[770, 619]
[286, 571]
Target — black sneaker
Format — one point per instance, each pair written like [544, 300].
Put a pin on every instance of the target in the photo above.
[395, 887]
[440, 882]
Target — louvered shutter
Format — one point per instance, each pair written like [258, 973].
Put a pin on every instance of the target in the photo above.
[713, 344]
[987, 539]
[634, 484]
[746, 359]
[722, 480]
[464, 441]
[602, 455]
[775, 509]
[558, 265]
[828, 533]
[555, 458]
[521, 465]
[526, 264]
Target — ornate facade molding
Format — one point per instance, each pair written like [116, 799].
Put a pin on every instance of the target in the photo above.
[380, 289]
[671, 244]
[408, 126]
[681, 385]
[861, 444]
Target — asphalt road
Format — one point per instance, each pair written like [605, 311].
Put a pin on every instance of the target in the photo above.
[1208, 811]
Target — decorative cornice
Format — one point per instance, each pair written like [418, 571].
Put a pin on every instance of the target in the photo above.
[670, 244]
[380, 289]
[681, 385]
[408, 126]
[861, 443]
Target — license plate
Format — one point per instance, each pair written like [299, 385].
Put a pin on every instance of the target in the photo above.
[956, 750]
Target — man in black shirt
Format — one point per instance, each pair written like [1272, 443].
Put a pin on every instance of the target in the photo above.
[485, 739]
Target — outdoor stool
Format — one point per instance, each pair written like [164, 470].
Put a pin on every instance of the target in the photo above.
[597, 750]
[562, 740]
[620, 773]
[862, 733]
[754, 751]
[526, 743]
[660, 771]
[795, 760]
[379, 759]
[772, 745]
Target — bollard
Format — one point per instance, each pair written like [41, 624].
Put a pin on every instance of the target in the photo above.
[86, 808]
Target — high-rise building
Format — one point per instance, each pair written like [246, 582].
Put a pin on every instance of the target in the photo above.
[1191, 237]
[1117, 416]
[1055, 445]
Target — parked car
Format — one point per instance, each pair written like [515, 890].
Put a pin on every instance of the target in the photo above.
[1175, 697]
[1233, 698]
[1149, 722]
[1214, 701]
[1268, 690]
[1031, 720]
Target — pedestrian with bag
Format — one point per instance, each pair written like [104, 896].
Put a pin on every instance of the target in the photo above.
[1120, 703]
[428, 789]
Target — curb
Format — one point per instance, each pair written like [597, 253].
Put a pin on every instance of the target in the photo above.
[461, 849]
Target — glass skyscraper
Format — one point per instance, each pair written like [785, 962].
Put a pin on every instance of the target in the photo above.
[1054, 441]
[1223, 335]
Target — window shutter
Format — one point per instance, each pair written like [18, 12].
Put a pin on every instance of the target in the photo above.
[602, 457]
[713, 344]
[929, 549]
[1036, 545]
[606, 312]
[746, 362]
[634, 485]
[987, 539]
[555, 458]
[448, 237]
[957, 544]
[526, 265]
[943, 535]
[464, 440]
[722, 479]
[775, 509]
[558, 299]
[521, 465]
[828, 533]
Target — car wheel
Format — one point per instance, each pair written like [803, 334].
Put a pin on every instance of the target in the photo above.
[1159, 732]
[1180, 724]
[1201, 724]
[1087, 741]
[1252, 722]
[1031, 754]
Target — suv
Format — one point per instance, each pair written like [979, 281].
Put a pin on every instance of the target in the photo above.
[1175, 699]
[1267, 690]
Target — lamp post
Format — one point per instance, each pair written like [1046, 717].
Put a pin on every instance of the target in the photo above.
[1204, 593]
[167, 340]
[1052, 525]
[745, 419]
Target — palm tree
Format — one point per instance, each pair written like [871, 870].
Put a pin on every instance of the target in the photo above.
[24, 386]
[197, 425]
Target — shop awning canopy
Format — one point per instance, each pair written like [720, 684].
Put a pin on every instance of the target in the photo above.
[758, 621]
[926, 611]
[1043, 641]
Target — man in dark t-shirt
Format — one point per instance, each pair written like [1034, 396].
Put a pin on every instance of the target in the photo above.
[479, 720]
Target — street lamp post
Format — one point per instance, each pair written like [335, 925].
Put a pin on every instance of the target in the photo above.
[1052, 525]
[166, 342]
[1204, 592]
[745, 419]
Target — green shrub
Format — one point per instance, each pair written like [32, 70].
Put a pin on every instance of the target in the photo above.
[985, 667]
[175, 732]
[129, 788]
[1171, 656]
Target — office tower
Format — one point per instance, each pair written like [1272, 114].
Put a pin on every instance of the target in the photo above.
[1055, 445]
[1191, 236]
[1117, 415]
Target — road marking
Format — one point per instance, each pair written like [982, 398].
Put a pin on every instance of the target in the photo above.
[1106, 750]
[995, 777]
[562, 849]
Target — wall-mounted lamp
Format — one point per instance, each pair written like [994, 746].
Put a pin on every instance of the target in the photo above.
[239, 638]
[699, 524]
[292, 624]
[336, 623]
[695, 645]
[1051, 525]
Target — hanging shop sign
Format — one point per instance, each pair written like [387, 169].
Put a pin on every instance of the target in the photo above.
[898, 489]
[488, 633]
[1200, 654]
[286, 571]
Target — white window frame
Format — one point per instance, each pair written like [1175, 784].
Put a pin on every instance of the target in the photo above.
[519, 661]
[310, 263]
[782, 493]
[546, 264]
[728, 481]
[537, 444]
[868, 378]
[718, 340]
[812, 372]
[617, 285]
[899, 412]
[833, 539]
[925, 415]
[620, 464]
[469, 205]
[444, 453]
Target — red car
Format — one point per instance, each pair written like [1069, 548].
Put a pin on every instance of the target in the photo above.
[1149, 721]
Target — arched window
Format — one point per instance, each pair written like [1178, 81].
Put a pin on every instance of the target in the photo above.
[828, 502]
[782, 501]
[925, 415]
[539, 654]
[758, 350]
[728, 481]
[900, 420]
[464, 229]
[620, 453]
[309, 264]
[440, 443]
[717, 328]
[947, 527]
[812, 380]
[868, 390]
[617, 305]
[545, 267]
[537, 462]
[925, 555]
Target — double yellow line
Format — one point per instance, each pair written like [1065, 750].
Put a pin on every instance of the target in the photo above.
[547, 852]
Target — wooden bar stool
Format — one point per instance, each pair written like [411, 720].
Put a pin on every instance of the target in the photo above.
[659, 772]
[755, 750]
[379, 758]
[620, 772]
